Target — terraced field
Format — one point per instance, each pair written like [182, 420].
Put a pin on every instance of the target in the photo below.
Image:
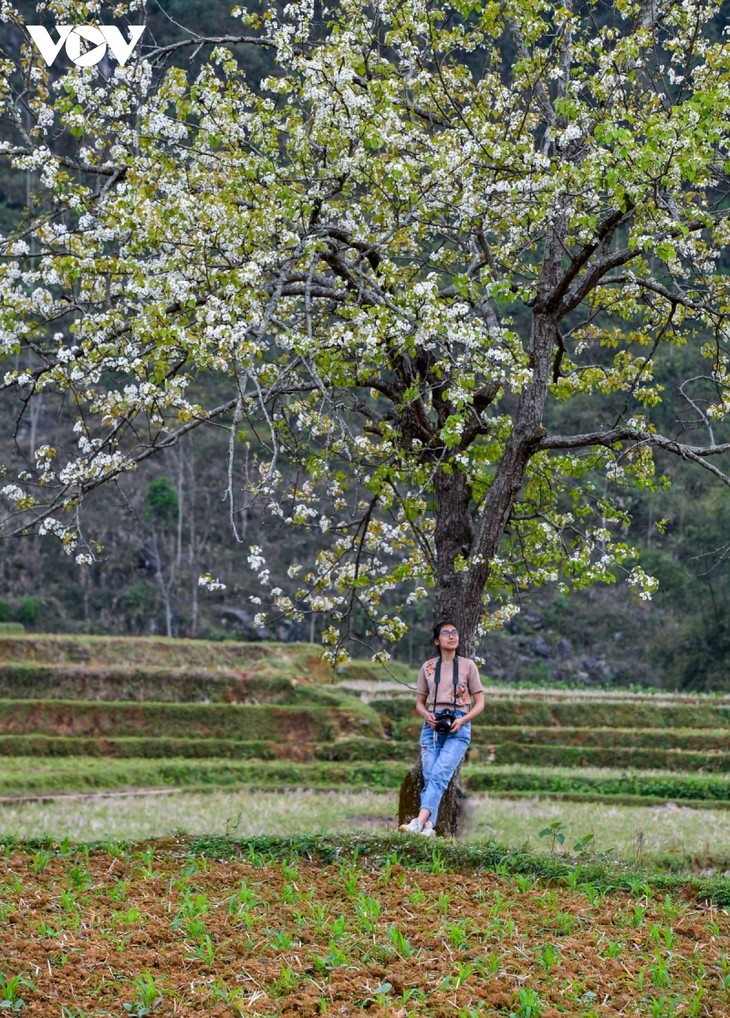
[366, 923]
[145, 713]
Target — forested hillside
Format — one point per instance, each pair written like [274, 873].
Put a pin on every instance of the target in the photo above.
[201, 505]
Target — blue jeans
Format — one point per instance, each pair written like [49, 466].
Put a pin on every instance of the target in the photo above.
[441, 754]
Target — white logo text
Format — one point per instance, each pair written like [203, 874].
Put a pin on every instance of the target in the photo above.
[77, 39]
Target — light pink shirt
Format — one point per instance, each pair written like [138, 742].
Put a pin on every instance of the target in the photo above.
[468, 683]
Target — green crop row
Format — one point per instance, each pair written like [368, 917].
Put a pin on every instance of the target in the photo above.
[624, 713]
[303, 744]
[651, 738]
[137, 684]
[550, 781]
[148, 651]
[354, 749]
[296, 661]
[618, 757]
[189, 720]
[49, 775]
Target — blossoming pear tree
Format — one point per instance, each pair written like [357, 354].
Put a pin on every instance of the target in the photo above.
[403, 255]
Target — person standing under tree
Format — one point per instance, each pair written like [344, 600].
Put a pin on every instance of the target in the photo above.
[449, 696]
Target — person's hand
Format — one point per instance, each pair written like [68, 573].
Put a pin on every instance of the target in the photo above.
[431, 720]
[456, 725]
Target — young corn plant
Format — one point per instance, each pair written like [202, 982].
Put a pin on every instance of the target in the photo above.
[548, 955]
[367, 910]
[241, 905]
[464, 971]
[11, 988]
[40, 860]
[148, 995]
[80, 878]
[399, 943]
[458, 932]
[221, 993]
[285, 982]
[527, 1004]
[146, 868]
[204, 950]
[350, 879]
[119, 891]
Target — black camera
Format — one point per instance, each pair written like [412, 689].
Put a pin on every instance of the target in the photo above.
[444, 721]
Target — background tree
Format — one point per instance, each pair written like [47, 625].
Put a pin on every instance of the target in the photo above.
[435, 260]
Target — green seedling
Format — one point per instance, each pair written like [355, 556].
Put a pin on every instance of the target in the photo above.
[148, 993]
[584, 845]
[399, 942]
[282, 940]
[205, 950]
[241, 905]
[389, 863]
[663, 1007]
[527, 1004]
[285, 983]
[290, 893]
[41, 860]
[663, 935]
[194, 928]
[458, 932]
[119, 891]
[81, 879]
[564, 922]
[367, 910]
[67, 900]
[193, 905]
[548, 956]
[335, 958]
[221, 993]
[638, 915]
[146, 868]
[131, 917]
[438, 865]
[556, 833]
[379, 996]
[464, 970]
[350, 880]
[659, 972]
[290, 870]
[613, 949]
[10, 990]
[443, 902]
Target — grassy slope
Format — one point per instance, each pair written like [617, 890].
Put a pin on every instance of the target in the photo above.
[275, 714]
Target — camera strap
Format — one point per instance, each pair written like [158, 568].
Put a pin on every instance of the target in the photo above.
[437, 679]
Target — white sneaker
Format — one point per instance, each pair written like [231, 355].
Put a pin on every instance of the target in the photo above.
[428, 830]
[412, 827]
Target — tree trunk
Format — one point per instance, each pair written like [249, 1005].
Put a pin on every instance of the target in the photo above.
[449, 810]
[473, 533]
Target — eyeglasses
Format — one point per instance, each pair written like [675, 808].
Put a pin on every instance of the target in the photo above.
[449, 632]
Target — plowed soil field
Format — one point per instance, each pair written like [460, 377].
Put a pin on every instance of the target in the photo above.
[156, 929]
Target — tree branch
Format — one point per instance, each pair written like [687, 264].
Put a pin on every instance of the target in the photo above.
[696, 453]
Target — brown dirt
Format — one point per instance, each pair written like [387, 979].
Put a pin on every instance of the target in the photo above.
[300, 939]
